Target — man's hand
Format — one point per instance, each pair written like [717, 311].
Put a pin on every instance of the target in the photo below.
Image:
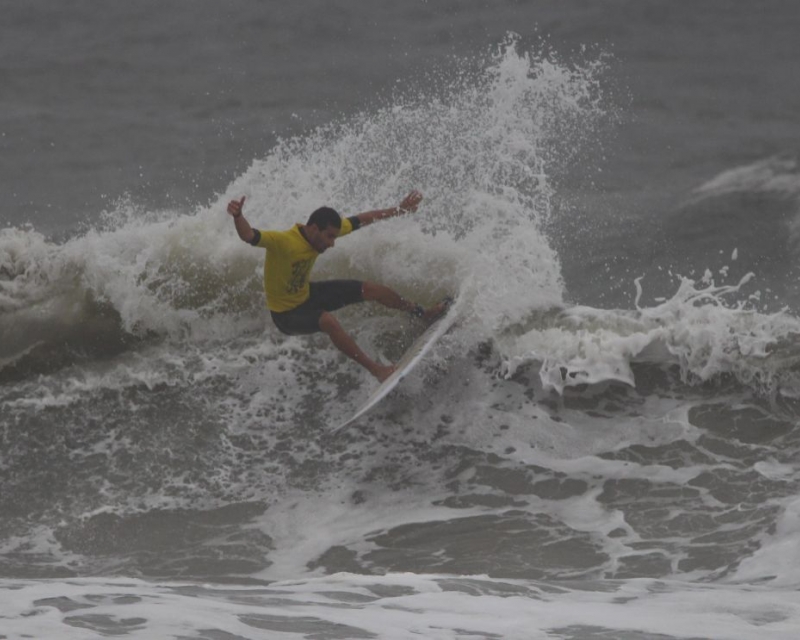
[410, 202]
[408, 205]
[243, 227]
[235, 207]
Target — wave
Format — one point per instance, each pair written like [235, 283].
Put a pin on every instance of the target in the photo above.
[100, 293]
[481, 150]
[777, 174]
[697, 330]
[407, 604]
[745, 219]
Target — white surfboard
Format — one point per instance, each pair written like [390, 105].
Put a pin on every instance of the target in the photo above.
[410, 358]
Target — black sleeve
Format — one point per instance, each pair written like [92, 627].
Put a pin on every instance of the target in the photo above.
[355, 222]
[256, 237]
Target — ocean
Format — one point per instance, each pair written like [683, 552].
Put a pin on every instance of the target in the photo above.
[604, 447]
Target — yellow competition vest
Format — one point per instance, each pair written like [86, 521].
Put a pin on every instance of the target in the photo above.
[288, 264]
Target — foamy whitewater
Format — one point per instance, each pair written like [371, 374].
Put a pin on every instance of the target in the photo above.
[552, 470]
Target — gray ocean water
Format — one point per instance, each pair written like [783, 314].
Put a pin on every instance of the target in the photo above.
[606, 445]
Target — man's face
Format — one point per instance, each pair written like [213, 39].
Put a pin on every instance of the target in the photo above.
[322, 240]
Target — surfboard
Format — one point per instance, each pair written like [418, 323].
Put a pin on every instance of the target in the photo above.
[410, 359]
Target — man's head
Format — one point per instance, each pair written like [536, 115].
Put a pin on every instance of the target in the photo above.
[323, 228]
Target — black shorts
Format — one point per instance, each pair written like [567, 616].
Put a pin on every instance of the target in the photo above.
[328, 295]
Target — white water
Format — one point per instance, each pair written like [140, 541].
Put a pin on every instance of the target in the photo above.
[398, 607]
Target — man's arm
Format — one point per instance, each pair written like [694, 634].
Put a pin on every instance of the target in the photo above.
[408, 205]
[243, 227]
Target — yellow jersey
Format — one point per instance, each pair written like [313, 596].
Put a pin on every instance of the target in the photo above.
[287, 266]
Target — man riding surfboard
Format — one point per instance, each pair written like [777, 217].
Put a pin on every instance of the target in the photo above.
[300, 307]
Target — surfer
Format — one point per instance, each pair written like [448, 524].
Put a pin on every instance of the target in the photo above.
[300, 307]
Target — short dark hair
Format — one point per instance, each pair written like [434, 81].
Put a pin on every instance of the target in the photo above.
[324, 217]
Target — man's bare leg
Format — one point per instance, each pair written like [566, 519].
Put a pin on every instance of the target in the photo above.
[382, 294]
[342, 341]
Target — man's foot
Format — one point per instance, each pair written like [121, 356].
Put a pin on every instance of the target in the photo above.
[431, 314]
[382, 372]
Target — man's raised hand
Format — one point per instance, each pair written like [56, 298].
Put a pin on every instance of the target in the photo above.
[410, 202]
[235, 207]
